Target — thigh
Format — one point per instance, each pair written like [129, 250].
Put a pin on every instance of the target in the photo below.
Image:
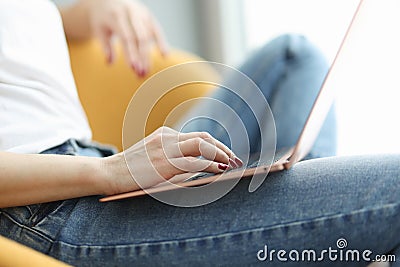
[310, 206]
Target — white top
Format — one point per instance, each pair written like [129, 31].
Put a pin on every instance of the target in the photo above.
[39, 105]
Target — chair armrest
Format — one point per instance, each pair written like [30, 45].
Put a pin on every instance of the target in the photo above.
[13, 254]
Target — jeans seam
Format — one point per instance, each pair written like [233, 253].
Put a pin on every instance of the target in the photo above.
[34, 215]
[228, 234]
[61, 228]
[30, 210]
[24, 227]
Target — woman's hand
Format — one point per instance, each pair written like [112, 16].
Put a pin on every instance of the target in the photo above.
[164, 154]
[159, 157]
[128, 20]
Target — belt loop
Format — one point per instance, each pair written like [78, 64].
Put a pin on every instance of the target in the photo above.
[74, 145]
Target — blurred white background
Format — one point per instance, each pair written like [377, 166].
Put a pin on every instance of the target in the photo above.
[367, 78]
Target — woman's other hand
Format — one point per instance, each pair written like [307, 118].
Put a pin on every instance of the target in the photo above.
[128, 20]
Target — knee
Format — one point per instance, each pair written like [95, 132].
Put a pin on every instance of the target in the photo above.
[295, 48]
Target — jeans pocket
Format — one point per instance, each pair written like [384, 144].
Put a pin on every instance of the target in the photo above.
[33, 209]
[41, 211]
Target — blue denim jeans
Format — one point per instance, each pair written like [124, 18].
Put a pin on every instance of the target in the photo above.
[289, 71]
[309, 207]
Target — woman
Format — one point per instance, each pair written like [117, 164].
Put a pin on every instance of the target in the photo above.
[312, 205]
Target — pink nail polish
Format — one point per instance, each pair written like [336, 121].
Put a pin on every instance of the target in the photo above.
[222, 166]
[143, 73]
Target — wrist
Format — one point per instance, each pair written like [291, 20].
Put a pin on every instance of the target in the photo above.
[115, 175]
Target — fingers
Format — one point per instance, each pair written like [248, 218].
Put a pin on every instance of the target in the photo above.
[159, 37]
[105, 40]
[127, 37]
[200, 147]
[192, 164]
[207, 137]
[175, 145]
[142, 42]
[133, 24]
[137, 31]
[174, 153]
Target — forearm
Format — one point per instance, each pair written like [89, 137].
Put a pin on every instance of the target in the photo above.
[28, 179]
[35, 178]
[76, 20]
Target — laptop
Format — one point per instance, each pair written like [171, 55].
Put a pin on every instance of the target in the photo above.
[284, 159]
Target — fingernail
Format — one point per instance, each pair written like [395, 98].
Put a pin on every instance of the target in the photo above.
[139, 71]
[143, 73]
[109, 59]
[232, 163]
[238, 162]
[222, 166]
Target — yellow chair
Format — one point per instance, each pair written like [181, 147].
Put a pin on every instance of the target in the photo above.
[13, 254]
[105, 92]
